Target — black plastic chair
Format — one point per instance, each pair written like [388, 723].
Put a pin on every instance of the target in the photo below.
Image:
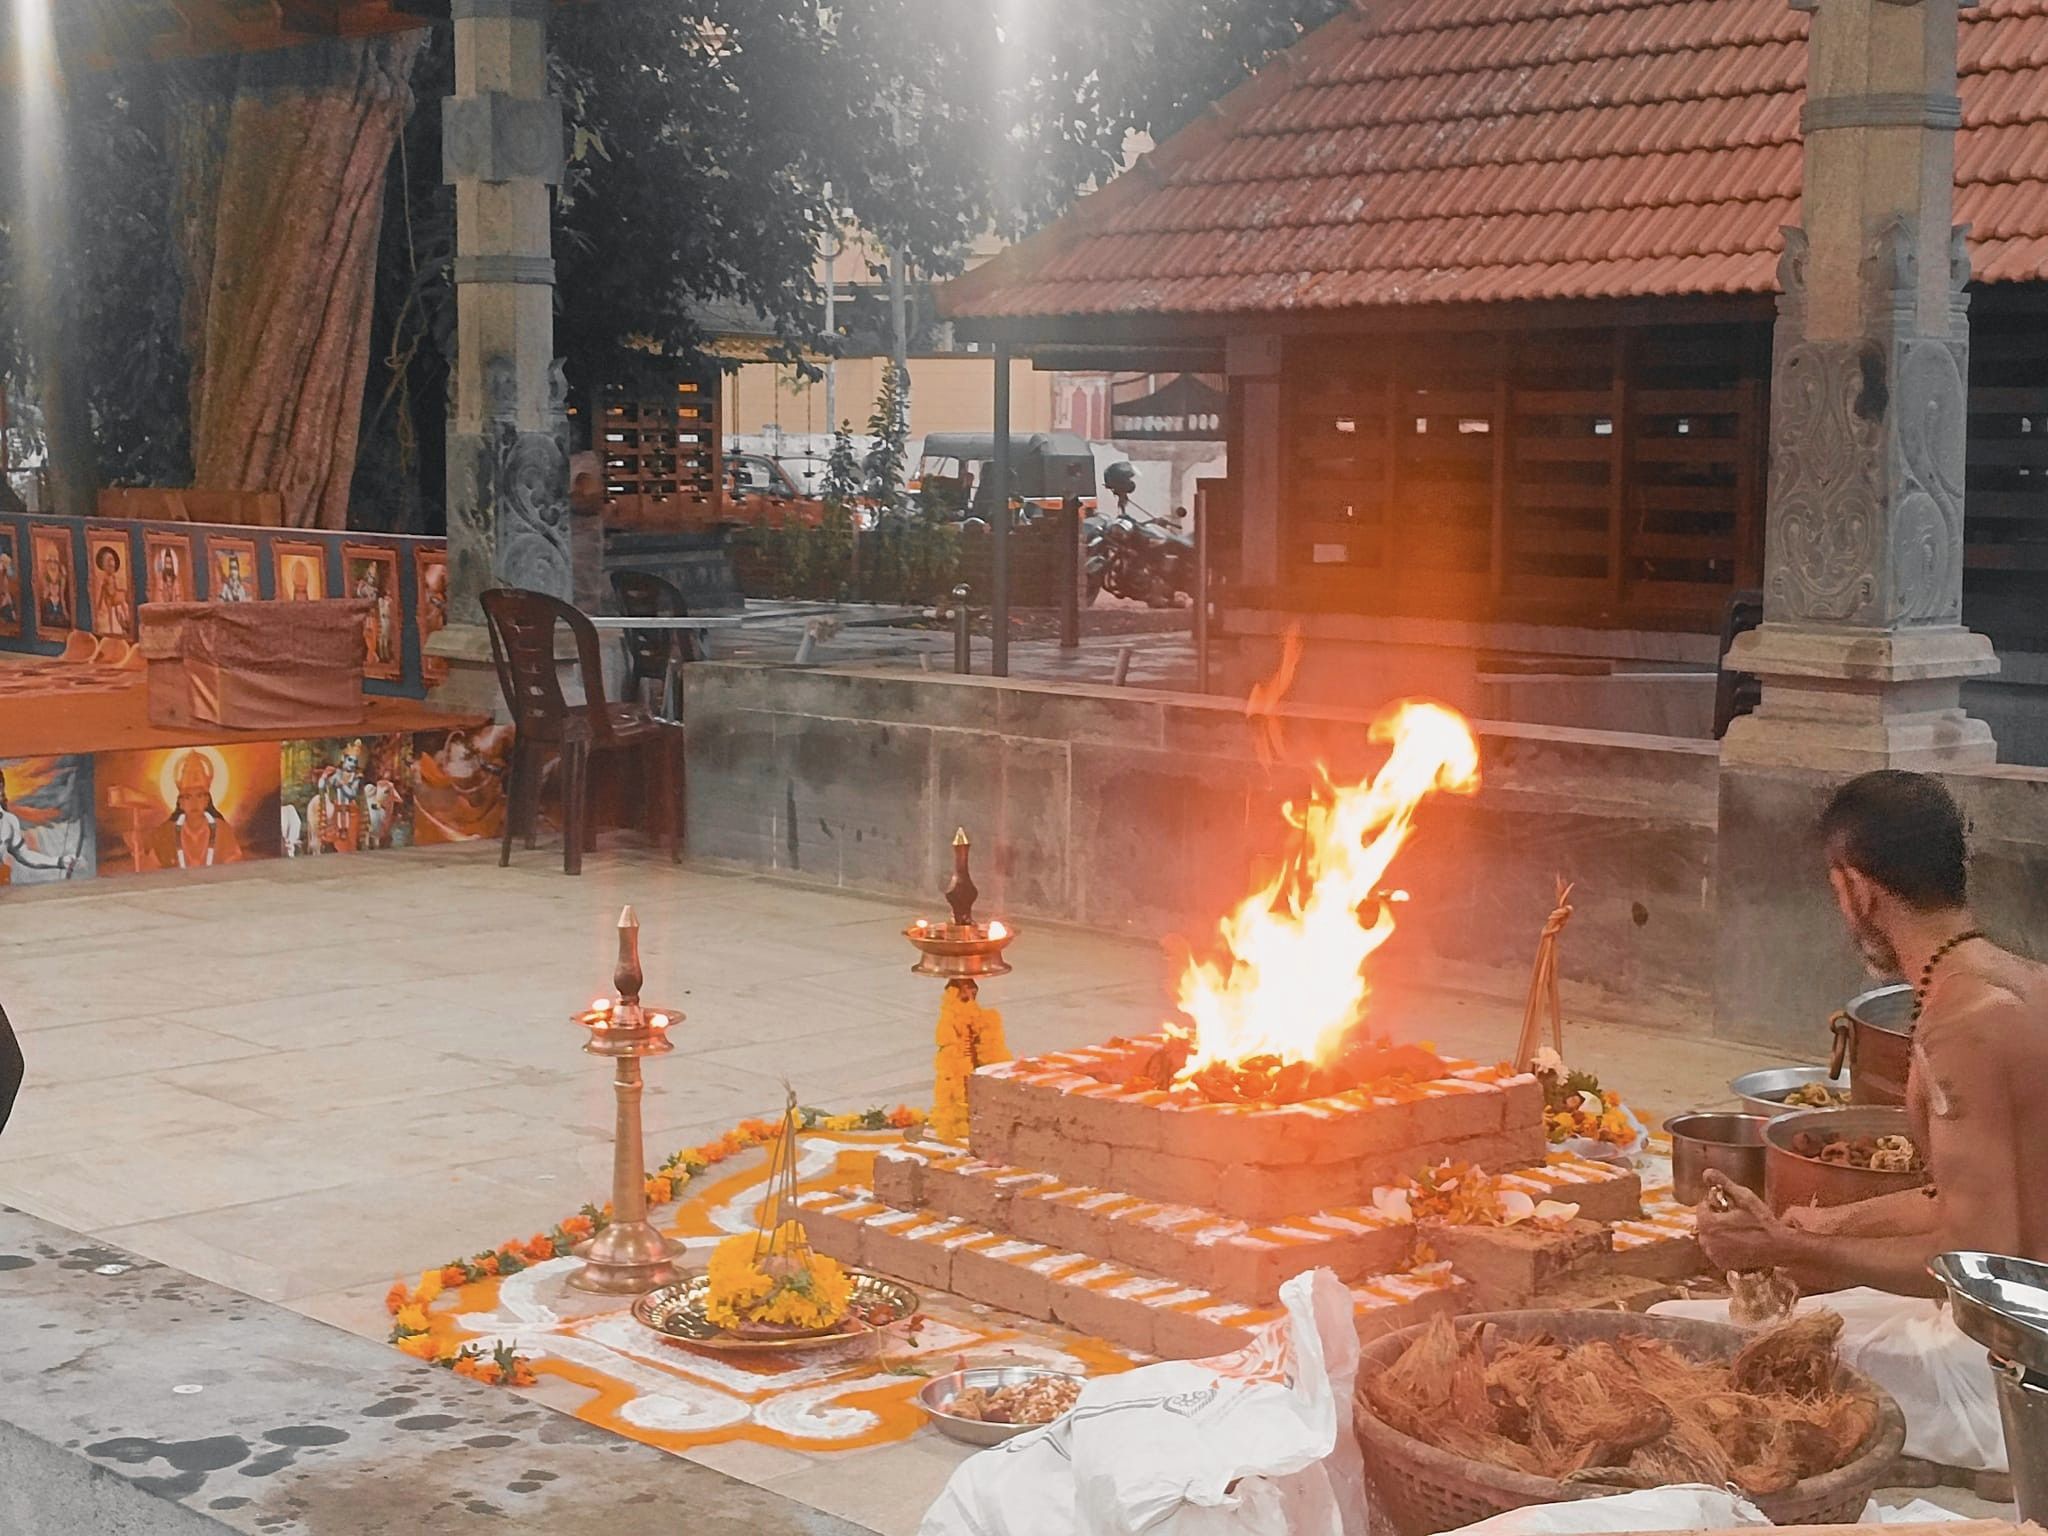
[522, 627]
[656, 655]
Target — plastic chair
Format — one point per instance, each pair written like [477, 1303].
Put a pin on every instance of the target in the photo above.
[522, 628]
[656, 655]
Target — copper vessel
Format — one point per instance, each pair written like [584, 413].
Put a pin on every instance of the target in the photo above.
[1874, 1040]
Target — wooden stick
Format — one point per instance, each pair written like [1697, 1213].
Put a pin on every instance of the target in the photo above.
[1544, 995]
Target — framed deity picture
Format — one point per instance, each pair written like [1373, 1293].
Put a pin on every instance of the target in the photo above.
[10, 583]
[109, 557]
[56, 580]
[167, 567]
[298, 571]
[370, 571]
[430, 562]
[230, 569]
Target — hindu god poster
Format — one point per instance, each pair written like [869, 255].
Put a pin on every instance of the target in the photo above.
[187, 807]
[46, 820]
[347, 795]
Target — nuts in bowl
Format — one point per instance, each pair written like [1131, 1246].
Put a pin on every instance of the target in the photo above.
[987, 1405]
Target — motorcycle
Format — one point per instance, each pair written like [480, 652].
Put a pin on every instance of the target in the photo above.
[1140, 558]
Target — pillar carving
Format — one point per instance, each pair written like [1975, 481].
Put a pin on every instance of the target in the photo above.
[1862, 651]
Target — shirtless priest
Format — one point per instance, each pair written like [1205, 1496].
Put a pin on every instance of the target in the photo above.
[1897, 861]
[1899, 867]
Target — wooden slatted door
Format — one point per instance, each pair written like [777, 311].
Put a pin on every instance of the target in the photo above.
[2005, 499]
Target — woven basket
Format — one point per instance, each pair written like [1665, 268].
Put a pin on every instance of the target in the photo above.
[1419, 1490]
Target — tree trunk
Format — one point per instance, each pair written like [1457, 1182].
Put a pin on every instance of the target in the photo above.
[280, 195]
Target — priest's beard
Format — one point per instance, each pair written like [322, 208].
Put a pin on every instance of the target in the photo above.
[1876, 947]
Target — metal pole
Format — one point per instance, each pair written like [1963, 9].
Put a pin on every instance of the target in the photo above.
[963, 643]
[1070, 566]
[999, 572]
[831, 321]
[1201, 591]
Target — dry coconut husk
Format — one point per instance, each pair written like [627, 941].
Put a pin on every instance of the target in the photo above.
[1797, 1358]
[1632, 1411]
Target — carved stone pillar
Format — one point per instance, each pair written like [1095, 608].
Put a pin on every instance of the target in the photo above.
[1862, 652]
[508, 430]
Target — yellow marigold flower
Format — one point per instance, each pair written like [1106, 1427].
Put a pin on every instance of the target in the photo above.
[429, 1287]
[413, 1319]
[419, 1345]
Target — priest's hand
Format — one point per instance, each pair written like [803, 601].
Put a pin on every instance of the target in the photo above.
[1737, 1230]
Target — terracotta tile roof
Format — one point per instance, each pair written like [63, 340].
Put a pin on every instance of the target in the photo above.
[1459, 150]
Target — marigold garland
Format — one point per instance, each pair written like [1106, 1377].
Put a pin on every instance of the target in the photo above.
[501, 1367]
[968, 1036]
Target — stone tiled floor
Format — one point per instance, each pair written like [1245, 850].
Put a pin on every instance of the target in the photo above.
[301, 1079]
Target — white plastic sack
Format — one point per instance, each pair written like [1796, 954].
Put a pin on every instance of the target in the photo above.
[1158, 1449]
[1681, 1507]
[1910, 1346]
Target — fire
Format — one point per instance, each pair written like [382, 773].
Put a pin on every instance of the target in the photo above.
[1290, 980]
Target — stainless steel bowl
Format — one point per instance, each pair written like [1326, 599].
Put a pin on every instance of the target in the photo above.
[939, 1391]
[2000, 1302]
[1763, 1092]
[1793, 1179]
[1729, 1143]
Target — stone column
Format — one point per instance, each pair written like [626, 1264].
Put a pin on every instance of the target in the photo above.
[1862, 653]
[508, 432]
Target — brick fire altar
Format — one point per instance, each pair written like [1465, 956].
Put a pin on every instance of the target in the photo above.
[1166, 1223]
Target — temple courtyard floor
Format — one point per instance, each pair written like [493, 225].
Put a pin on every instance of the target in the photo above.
[303, 1079]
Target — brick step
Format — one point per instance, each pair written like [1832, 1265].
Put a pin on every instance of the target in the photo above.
[1131, 1307]
[1601, 1292]
[1662, 1244]
[1074, 1116]
[1247, 1260]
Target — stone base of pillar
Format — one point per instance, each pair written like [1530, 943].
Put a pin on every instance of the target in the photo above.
[470, 685]
[1842, 701]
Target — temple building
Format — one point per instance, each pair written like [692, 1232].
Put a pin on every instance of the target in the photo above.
[1493, 283]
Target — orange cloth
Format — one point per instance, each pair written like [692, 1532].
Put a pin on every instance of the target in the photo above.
[256, 666]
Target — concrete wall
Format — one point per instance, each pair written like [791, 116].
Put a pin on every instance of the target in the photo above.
[1146, 813]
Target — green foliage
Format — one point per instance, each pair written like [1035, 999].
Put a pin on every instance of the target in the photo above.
[905, 560]
[842, 468]
[889, 434]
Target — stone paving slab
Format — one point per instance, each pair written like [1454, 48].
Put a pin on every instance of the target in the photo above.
[140, 1400]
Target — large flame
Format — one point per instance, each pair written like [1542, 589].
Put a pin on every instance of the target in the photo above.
[1290, 981]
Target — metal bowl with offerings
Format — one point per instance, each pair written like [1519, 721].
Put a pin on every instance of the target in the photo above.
[936, 1397]
[1764, 1091]
[1792, 1177]
[1874, 1043]
[1728, 1143]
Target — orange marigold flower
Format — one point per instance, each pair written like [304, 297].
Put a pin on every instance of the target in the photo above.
[452, 1276]
[419, 1345]
[488, 1263]
[522, 1374]
[465, 1365]
[577, 1226]
[396, 1297]
[488, 1373]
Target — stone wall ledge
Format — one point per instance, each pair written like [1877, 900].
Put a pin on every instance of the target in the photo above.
[142, 1401]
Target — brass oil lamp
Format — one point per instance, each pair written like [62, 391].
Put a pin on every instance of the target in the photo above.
[629, 1256]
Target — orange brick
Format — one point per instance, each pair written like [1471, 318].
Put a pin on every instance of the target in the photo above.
[1000, 1275]
[1073, 1160]
[1161, 1176]
[887, 1248]
[1124, 1320]
[1198, 1334]
[899, 1177]
[1505, 1266]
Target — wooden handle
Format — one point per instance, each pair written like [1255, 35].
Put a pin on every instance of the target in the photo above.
[1842, 1026]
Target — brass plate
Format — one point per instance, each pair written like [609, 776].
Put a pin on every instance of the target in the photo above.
[677, 1311]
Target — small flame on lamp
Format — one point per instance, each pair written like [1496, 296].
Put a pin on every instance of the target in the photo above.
[996, 929]
[600, 1005]
[921, 924]
[659, 1021]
